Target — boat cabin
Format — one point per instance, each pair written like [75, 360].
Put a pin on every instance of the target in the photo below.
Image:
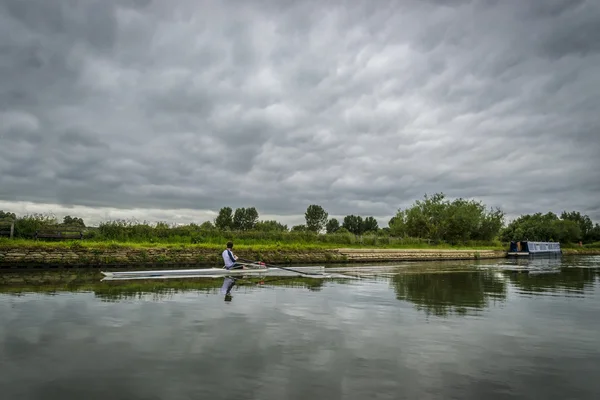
[527, 248]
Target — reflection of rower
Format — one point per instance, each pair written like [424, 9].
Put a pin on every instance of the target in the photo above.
[228, 284]
[230, 259]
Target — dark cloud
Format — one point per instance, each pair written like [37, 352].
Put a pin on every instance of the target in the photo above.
[361, 108]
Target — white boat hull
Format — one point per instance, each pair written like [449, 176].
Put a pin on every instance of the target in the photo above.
[212, 273]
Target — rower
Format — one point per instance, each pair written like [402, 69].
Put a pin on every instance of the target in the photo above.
[229, 258]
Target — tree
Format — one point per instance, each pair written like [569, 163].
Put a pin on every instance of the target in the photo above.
[584, 222]
[397, 224]
[566, 231]
[426, 218]
[595, 233]
[239, 217]
[224, 220]
[316, 218]
[251, 218]
[270, 226]
[73, 221]
[542, 227]
[332, 225]
[353, 223]
[207, 226]
[491, 224]
[370, 225]
[162, 225]
[299, 228]
[7, 215]
[244, 219]
[437, 218]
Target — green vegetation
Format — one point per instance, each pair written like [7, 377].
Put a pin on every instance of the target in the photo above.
[356, 225]
[257, 245]
[570, 227]
[316, 218]
[439, 219]
[332, 226]
[433, 222]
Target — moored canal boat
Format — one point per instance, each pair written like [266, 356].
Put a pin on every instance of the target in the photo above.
[528, 249]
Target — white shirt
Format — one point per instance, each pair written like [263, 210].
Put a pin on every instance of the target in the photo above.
[227, 259]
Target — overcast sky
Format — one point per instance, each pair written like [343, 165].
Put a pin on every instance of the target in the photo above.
[172, 109]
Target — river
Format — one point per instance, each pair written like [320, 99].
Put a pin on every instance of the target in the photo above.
[436, 330]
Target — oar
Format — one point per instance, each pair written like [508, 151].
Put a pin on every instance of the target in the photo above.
[248, 263]
[286, 269]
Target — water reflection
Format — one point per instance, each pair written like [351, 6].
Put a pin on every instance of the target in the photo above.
[567, 280]
[546, 263]
[567, 275]
[536, 263]
[57, 281]
[228, 284]
[439, 289]
[449, 292]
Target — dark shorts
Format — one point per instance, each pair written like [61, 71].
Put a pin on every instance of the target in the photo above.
[234, 266]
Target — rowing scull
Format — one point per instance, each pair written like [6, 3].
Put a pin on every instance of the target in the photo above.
[211, 272]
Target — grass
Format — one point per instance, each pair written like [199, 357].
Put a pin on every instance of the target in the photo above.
[595, 245]
[239, 245]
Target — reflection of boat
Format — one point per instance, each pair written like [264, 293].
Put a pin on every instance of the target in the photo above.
[527, 249]
[541, 272]
[215, 272]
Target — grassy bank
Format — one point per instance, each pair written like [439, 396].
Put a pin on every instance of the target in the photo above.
[84, 253]
[586, 249]
[581, 251]
[242, 245]
[275, 245]
[95, 253]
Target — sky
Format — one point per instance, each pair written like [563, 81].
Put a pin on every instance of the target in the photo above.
[169, 111]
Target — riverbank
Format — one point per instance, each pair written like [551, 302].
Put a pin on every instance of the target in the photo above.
[76, 254]
[581, 251]
[23, 254]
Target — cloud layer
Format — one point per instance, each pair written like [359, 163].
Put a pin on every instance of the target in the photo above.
[360, 107]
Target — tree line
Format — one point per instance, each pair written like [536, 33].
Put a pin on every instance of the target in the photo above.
[569, 227]
[433, 218]
[246, 219]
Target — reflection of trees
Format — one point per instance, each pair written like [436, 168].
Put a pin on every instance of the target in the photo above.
[447, 292]
[565, 279]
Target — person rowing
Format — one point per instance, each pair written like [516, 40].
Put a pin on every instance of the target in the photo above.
[230, 259]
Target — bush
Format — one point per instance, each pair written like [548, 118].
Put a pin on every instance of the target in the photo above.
[25, 227]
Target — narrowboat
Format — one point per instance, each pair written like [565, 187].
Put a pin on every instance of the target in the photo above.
[527, 249]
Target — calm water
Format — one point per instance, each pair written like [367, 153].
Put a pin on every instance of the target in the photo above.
[430, 331]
